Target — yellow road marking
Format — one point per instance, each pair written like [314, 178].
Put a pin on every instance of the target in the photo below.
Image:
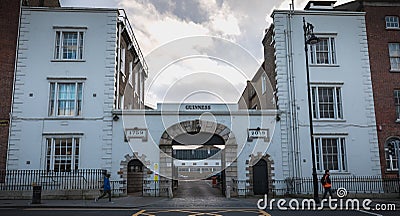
[198, 212]
[138, 213]
[263, 213]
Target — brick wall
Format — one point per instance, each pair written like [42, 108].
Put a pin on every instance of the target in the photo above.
[9, 18]
[384, 82]
[41, 3]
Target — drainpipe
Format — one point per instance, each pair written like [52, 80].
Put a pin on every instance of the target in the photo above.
[119, 23]
[292, 103]
[289, 112]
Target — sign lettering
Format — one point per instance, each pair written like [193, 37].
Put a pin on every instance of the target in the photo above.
[198, 107]
[136, 133]
[258, 133]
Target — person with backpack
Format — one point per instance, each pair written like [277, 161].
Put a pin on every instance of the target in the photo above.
[326, 183]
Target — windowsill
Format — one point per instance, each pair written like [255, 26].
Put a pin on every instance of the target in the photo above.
[334, 172]
[65, 118]
[329, 120]
[394, 71]
[68, 60]
[396, 29]
[324, 65]
[397, 121]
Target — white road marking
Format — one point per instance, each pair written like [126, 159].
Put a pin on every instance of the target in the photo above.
[371, 213]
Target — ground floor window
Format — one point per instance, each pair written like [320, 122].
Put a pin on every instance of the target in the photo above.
[331, 153]
[62, 154]
[391, 159]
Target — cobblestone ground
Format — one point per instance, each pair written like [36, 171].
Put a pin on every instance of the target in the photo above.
[197, 189]
[201, 194]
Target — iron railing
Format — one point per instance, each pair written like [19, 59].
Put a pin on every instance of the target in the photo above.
[117, 186]
[353, 184]
[49, 180]
[157, 187]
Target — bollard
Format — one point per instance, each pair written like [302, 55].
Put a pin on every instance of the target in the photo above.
[37, 194]
[214, 181]
[228, 192]
[170, 193]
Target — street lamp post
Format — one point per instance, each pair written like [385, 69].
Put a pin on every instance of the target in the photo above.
[310, 38]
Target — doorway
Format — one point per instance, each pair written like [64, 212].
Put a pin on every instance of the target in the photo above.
[135, 177]
[260, 178]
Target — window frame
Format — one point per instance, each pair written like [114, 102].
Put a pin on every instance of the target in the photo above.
[59, 48]
[263, 83]
[137, 82]
[130, 78]
[338, 111]
[52, 106]
[392, 22]
[50, 156]
[332, 51]
[141, 87]
[123, 62]
[341, 146]
[389, 158]
[394, 56]
[396, 94]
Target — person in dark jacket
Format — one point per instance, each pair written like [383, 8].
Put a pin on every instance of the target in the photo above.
[327, 184]
[106, 187]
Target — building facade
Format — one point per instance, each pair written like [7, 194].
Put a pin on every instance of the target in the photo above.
[383, 31]
[75, 66]
[228, 142]
[9, 23]
[343, 114]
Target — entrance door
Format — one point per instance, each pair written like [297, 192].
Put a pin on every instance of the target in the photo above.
[135, 176]
[260, 178]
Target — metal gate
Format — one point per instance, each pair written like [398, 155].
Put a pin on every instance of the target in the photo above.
[260, 178]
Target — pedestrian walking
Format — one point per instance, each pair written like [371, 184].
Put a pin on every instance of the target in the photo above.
[327, 184]
[106, 188]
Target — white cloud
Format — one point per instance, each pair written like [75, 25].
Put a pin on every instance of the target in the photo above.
[227, 24]
[156, 23]
[169, 28]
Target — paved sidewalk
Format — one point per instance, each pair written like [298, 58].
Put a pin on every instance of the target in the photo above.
[132, 202]
[122, 202]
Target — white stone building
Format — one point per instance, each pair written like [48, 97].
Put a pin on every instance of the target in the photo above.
[78, 104]
[75, 66]
[342, 99]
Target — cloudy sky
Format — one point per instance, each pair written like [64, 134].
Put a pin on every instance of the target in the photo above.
[205, 46]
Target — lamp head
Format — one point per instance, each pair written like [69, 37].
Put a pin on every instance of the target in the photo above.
[312, 39]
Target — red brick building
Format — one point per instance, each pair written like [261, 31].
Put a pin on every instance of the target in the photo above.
[383, 31]
[9, 22]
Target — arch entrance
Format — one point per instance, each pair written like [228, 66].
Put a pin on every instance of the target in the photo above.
[196, 150]
[260, 178]
[135, 176]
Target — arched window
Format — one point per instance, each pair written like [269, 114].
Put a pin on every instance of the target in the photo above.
[391, 160]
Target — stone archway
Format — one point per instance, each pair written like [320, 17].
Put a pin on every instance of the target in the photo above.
[229, 154]
[124, 166]
[134, 180]
[252, 163]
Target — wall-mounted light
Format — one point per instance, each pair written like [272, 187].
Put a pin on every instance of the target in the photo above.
[115, 117]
